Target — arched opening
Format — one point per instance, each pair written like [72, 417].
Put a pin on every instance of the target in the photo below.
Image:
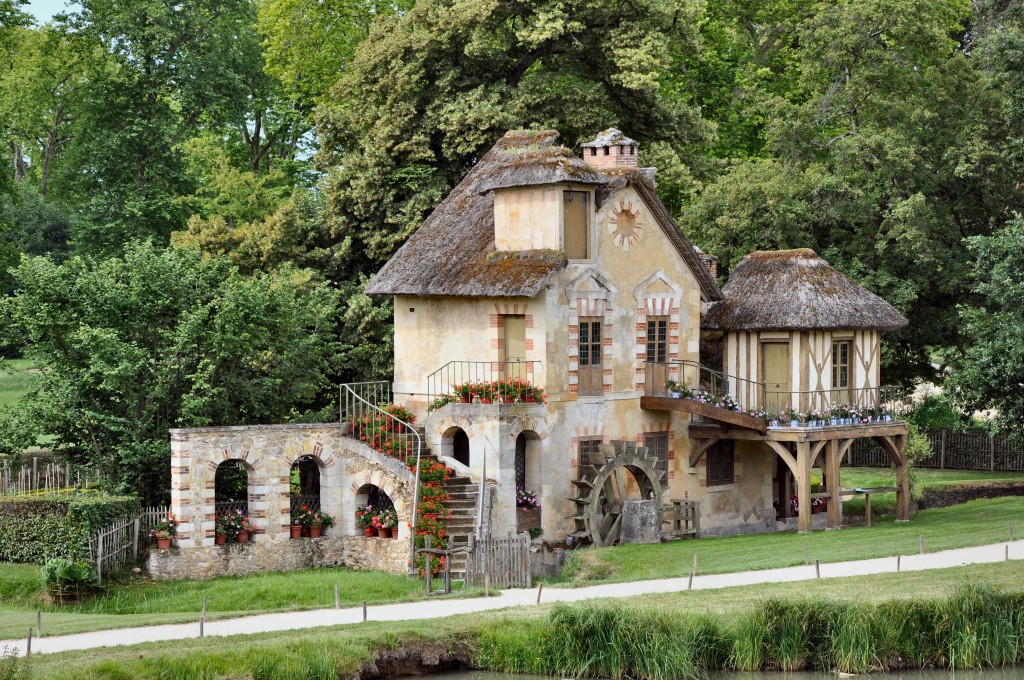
[304, 482]
[231, 500]
[458, 441]
[375, 512]
[528, 480]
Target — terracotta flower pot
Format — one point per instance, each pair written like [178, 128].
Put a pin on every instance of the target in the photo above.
[464, 400]
[220, 539]
[163, 543]
[368, 531]
[510, 400]
[296, 531]
[242, 537]
[394, 532]
[484, 401]
[530, 399]
[314, 532]
[383, 533]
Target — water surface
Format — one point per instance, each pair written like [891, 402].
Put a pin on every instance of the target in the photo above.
[1007, 673]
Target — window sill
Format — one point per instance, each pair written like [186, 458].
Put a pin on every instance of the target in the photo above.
[712, 488]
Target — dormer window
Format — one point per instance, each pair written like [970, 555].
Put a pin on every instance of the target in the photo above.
[575, 221]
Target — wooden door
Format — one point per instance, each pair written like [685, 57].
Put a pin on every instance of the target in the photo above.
[514, 345]
[776, 372]
[575, 221]
[590, 368]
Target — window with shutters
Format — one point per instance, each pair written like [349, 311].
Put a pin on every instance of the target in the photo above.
[657, 446]
[720, 459]
[589, 372]
[657, 339]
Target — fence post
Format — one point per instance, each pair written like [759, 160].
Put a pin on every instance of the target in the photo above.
[135, 538]
[942, 448]
[992, 453]
[99, 559]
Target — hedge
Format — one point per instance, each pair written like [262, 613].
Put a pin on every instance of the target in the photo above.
[39, 528]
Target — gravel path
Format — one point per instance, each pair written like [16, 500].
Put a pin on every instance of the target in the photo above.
[433, 609]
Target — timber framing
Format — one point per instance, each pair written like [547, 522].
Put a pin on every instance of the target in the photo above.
[700, 408]
[802, 448]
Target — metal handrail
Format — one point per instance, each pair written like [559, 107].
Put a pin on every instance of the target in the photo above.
[353, 402]
[444, 380]
[893, 399]
[697, 376]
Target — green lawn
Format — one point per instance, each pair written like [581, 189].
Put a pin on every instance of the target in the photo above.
[14, 380]
[339, 651]
[138, 601]
[974, 523]
[865, 478]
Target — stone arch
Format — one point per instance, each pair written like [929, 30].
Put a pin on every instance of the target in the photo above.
[371, 494]
[400, 495]
[535, 424]
[455, 445]
[228, 493]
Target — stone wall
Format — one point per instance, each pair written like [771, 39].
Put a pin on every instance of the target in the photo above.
[347, 468]
[242, 559]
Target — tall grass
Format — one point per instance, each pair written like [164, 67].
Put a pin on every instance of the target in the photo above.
[974, 627]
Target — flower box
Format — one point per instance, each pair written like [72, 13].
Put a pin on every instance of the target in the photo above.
[527, 518]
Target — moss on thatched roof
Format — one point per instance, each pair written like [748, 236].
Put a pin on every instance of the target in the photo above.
[797, 290]
[453, 253]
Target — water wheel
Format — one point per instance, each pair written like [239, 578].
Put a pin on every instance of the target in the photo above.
[601, 490]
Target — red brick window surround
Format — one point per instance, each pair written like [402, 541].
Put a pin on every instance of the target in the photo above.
[720, 463]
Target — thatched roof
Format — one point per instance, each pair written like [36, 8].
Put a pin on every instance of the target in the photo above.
[453, 253]
[523, 167]
[797, 290]
[610, 137]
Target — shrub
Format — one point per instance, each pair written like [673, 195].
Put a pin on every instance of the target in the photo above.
[68, 581]
[39, 528]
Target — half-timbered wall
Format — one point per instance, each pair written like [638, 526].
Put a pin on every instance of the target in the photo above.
[810, 354]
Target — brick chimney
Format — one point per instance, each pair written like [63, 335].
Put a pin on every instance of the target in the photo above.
[710, 261]
[610, 149]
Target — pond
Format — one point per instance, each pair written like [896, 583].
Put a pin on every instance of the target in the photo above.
[1008, 673]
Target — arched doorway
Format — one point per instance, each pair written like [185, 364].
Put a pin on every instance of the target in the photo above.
[455, 444]
[231, 499]
[304, 483]
[374, 510]
[528, 475]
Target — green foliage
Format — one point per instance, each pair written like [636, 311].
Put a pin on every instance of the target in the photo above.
[12, 667]
[231, 481]
[158, 339]
[989, 369]
[67, 580]
[39, 528]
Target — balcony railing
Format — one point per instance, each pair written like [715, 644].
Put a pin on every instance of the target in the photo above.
[751, 396]
[485, 381]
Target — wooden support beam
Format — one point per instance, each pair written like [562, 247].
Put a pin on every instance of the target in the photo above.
[893, 445]
[833, 456]
[816, 449]
[784, 453]
[722, 415]
[700, 449]
[803, 485]
[844, 446]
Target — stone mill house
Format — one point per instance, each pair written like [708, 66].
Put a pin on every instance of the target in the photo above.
[568, 274]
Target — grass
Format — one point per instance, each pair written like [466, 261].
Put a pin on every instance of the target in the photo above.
[974, 523]
[507, 640]
[139, 602]
[865, 478]
[15, 379]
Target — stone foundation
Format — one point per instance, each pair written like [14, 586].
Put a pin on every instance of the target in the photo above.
[242, 559]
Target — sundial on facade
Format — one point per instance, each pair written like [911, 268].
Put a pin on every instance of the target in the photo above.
[624, 225]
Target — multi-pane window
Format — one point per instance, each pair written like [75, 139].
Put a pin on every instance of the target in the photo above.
[840, 365]
[720, 463]
[657, 446]
[657, 339]
[588, 446]
[590, 356]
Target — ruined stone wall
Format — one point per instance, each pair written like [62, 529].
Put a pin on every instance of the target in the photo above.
[347, 468]
[243, 559]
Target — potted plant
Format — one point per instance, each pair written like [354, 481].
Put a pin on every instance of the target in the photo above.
[441, 402]
[164, 531]
[244, 528]
[364, 518]
[527, 510]
[391, 521]
[220, 536]
[793, 416]
[318, 521]
[298, 520]
[463, 392]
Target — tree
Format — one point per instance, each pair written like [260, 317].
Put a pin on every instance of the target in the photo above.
[158, 339]
[432, 88]
[988, 373]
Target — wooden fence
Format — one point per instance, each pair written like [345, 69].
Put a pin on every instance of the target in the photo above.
[505, 560]
[972, 450]
[120, 544]
[42, 475]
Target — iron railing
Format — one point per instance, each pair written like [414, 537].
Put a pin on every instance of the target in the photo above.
[826, 405]
[695, 376]
[498, 381]
[221, 507]
[312, 503]
[362, 409]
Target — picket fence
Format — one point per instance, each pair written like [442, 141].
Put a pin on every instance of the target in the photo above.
[506, 561]
[971, 450]
[120, 544]
[42, 475]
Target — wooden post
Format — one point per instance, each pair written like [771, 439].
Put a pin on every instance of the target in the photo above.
[427, 564]
[832, 475]
[202, 618]
[942, 449]
[897, 564]
[803, 485]
[921, 542]
[867, 509]
[992, 453]
[364, 611]
[817, 569]
[540, 589]
[39, 622]
[99, 560]
[135, 538]
[28, 647]
[337, 597]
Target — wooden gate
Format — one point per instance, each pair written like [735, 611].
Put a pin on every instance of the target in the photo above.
[505, 560]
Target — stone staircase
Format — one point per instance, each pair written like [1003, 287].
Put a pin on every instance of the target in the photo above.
[464, 493]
